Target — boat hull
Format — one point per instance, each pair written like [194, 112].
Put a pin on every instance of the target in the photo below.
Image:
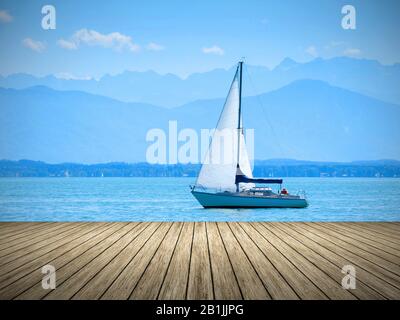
[234, 200]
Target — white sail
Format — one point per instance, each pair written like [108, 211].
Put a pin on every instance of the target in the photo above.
[244, 163]
[219, 166]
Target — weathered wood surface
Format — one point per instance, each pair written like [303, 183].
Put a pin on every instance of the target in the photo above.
[199, 260]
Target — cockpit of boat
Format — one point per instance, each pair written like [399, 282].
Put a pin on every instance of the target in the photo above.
[261, 191]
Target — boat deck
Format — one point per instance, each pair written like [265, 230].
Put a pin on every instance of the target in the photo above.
[199, 260]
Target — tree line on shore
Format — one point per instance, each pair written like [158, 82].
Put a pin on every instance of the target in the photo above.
[266, 168]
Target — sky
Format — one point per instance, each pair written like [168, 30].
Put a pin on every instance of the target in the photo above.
[94, 38]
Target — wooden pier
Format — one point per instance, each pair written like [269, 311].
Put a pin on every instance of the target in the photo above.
[235, 260]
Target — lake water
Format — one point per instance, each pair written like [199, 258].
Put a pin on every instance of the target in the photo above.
[169, 199]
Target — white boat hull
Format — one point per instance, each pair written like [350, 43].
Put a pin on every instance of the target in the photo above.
[238, 200]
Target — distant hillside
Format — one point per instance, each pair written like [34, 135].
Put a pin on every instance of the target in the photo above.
[368, 77]
[304, 120]
[267, 168]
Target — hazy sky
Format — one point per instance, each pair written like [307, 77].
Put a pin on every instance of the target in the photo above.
[93, 38]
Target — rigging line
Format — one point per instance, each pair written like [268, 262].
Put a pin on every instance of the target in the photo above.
[257, 96]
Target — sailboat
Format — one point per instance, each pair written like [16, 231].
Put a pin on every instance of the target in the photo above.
[226, 179]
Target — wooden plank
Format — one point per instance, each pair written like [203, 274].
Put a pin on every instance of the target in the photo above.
[372, 246]
[249, 282]
[151, 281]
[391, 227]
[19, 265]
[68, 288]
[379, 228]
[15, 227]
[5, 224]
[11, 229]
[392, 270]
[77, 260]
[380, 286]
[224, 279]
[370, 236]
[29, 253]
[326, 265]
[200, 285]
[15, 267]
[303, 287]
[176, 279]
[7, 248]
[375, 232]
[330, 287]
[274, 282]
[24, 277]
[385, 275]
[27, 233]
[96, 287]
[126, 281]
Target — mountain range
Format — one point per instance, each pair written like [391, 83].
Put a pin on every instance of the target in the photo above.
[367, 77]
[305, 119]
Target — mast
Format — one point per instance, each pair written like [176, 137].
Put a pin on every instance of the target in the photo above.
[239, 128]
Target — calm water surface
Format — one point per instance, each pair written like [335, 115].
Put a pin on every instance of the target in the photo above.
[168, 199]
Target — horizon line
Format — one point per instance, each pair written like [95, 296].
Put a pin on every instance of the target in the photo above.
[189, 164]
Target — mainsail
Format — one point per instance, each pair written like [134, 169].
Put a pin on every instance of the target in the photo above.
[220, 164]
[244, 163]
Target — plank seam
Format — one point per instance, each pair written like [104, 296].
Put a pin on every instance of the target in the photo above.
[248, 258]
[55, 256]
[229, 258]
[130, 260]
[270, 261]
[169, 262]
[344, 248]
[316, 243]
[353, 261]
[290, 260]
[136, 225]
[155, 251]
[75, 259]
[190, 262]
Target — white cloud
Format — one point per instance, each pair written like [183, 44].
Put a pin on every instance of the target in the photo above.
[213, 50]
[113, 40]
[312, 51]
[352, 52]
[154, 47]
[70, 45]
[5, 16]
[34, 45]
[70, 76]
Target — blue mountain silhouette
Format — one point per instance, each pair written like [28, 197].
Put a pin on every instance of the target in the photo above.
[307, 119]
[368, 77]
